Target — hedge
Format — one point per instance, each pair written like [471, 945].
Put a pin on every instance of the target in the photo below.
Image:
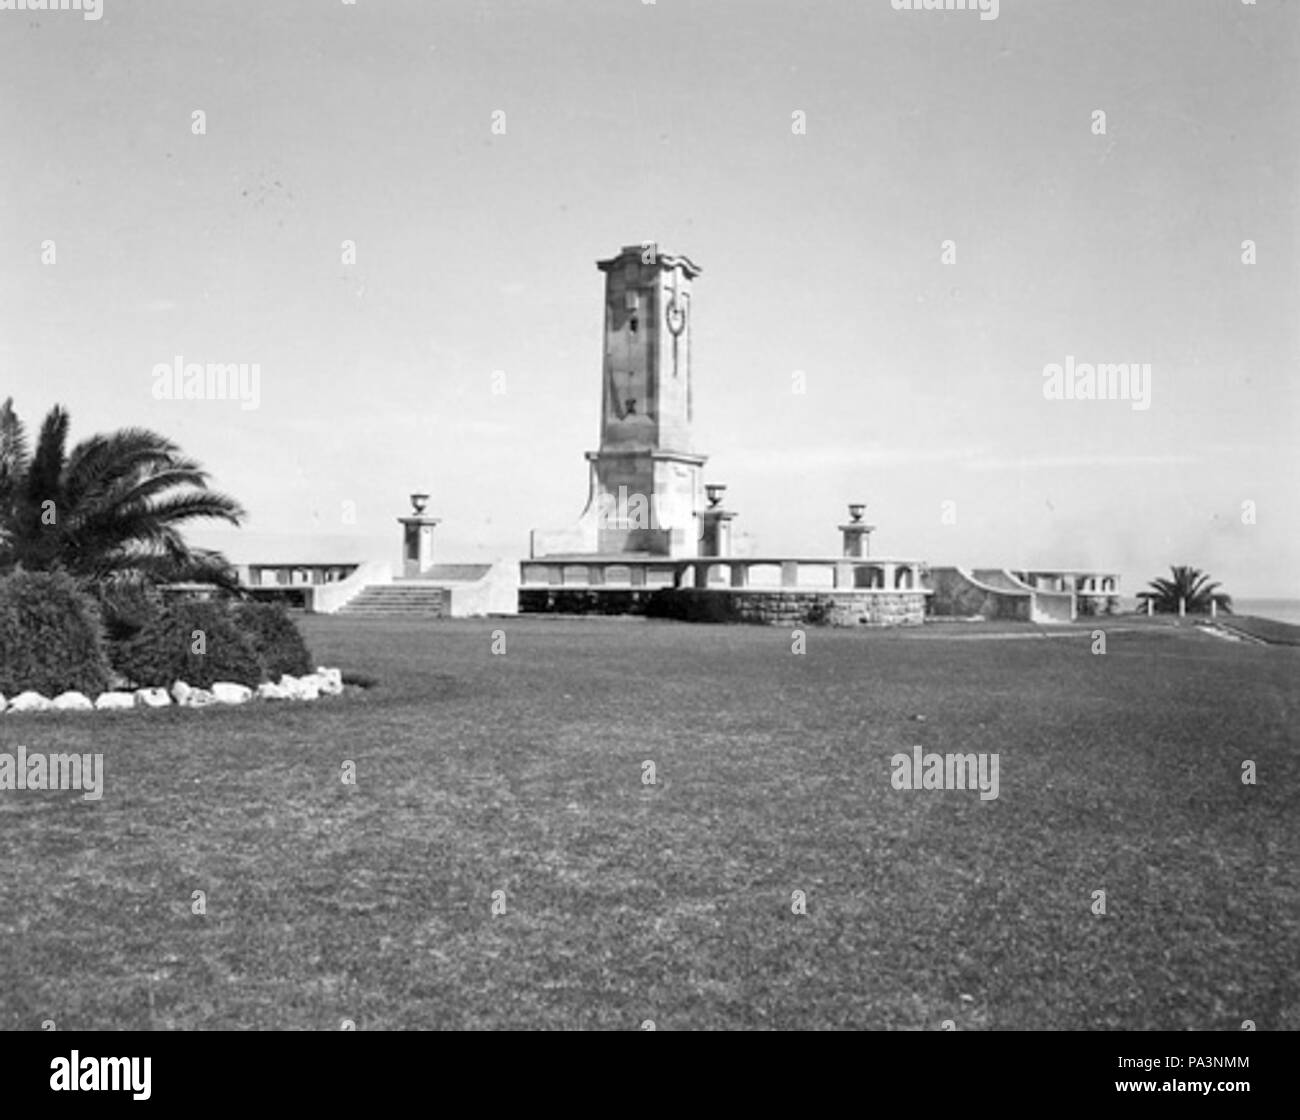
[275, 639]
[126, 609]
[54, 637]
[50, 636]
[197, 642]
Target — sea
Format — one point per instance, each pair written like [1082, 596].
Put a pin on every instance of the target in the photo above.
[1279, 610]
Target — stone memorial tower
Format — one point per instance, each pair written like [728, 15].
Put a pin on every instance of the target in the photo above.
[645, 481]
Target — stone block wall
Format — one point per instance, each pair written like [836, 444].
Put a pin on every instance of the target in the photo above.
[792, 607]
[584, 600]
[765, 607]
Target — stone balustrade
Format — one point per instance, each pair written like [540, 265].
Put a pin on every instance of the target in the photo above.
[1078, 582]
[701, 573]
[295, 574]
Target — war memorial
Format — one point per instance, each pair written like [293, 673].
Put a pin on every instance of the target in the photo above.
[479, 540]
[654, 537]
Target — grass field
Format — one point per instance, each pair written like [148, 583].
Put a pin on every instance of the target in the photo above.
[624, 902]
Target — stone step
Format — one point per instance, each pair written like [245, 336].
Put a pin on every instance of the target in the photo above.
[364, 609]
[396, 601]
[400, 598]
[398, 613]
[403, 595]
[431, 606]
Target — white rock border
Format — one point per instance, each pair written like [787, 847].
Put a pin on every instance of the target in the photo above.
[323, 682]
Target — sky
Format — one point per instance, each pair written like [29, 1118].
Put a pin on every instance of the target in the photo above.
[813, 157]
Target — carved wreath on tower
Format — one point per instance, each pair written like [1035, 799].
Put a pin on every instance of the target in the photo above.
[676, 313]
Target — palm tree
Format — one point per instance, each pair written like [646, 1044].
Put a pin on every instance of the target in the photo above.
[110, 510]
[1189, 584]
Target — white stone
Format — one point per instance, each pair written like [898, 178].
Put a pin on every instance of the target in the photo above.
[331, 681]
[152, 697]
[29, 702]
[181, 692]
[271, 692]
[301, 688]
[72, 702]
[199, 698]
[227, 693]
[112, 701]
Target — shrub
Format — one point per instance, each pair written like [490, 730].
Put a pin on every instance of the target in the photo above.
[126, 608]
[197, 642]
[275, 639]
[50, 638]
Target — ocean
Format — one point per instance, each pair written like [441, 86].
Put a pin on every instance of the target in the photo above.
[1280, 610]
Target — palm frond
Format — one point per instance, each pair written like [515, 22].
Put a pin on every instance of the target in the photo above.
[45, 473]
[119, 498]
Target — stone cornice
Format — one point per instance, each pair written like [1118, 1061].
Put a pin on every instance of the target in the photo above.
[665, 261]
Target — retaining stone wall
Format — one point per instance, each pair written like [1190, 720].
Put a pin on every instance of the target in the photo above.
[774, 607]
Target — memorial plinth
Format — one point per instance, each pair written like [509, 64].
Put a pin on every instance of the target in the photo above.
[715, 524]
[417, 538]
[856, 534]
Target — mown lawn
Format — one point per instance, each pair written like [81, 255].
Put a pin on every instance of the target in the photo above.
[624, 902]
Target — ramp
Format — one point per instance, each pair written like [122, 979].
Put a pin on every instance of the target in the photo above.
[959, 593]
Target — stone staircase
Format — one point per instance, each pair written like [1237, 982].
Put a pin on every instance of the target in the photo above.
[405, 600]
